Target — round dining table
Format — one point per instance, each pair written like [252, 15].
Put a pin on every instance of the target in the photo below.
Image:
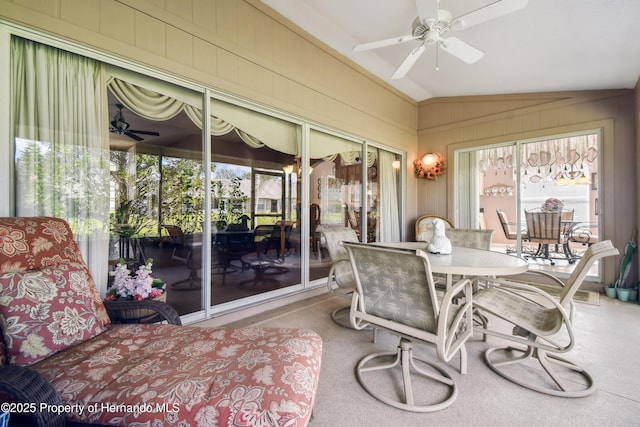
[467, 261]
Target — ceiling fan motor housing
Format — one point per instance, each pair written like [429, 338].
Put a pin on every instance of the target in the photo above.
[431, 30]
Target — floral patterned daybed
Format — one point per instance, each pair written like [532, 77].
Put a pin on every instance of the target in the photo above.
[59, 351]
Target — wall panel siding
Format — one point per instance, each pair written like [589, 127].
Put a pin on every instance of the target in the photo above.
[117, 22]
[157, 33]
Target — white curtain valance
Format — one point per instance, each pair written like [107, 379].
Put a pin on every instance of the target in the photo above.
[160, 107]
[179, 93]
[326, 146]
[218, 127]
[277, 134]
[351, 156]
[159, 101]
[144, 102]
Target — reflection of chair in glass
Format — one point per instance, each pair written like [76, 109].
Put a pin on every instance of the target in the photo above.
[509, 233]
[273, 236]
[231, 246]
[543, 325]
[174, 236]
[545, 228]
[191, 256]
[395, 291]
[424, 232]
[372, 224]
[350, 220]
[314, 223]
[340, 281]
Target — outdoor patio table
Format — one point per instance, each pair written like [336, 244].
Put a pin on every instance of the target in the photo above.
[468, 261]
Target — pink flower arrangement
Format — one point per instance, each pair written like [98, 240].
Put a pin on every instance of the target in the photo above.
[552, 204]
[137, 287]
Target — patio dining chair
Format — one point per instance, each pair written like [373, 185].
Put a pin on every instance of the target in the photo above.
[340, 280]
[544, 228]
[424, 231]
[510, 233]
[395, 292]
[476, 239]
[542, 330]
[470, 237]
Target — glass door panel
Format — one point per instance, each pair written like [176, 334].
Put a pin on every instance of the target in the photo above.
[505, 182]
[335, 192]
[383, 196]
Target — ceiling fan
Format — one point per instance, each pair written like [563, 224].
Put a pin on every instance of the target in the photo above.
[431, 26]
[121, 127]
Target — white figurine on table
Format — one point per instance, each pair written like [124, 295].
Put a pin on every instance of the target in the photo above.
[439, 243]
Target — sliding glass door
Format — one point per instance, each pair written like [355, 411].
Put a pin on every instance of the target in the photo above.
[498, 187]
[229, 207]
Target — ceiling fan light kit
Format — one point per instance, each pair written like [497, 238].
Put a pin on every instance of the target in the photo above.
[432, 24]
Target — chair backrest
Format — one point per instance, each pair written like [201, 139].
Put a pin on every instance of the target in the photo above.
[176, 236]
[314, 217]
[506, 228]
[544, 227]
[567, 214]
[424, 232]
[593, 253]
[395, 290]
[470, 238]
[396, 285]
[333, 239]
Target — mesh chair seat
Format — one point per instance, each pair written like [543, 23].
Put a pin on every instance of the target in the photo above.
[542, 329]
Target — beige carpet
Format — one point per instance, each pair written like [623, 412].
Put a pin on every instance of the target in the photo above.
[484, 398]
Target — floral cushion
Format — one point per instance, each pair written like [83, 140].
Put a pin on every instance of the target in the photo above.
[47, 310]
[167, 375]
[32, 243]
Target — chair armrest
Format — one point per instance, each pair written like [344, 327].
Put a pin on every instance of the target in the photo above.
[164, 311]
[25, 385]
[554, 279]
[335, 280]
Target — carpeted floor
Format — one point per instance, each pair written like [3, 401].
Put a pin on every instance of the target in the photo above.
[608, 345]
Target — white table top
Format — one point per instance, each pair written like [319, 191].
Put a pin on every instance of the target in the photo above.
[468, 261]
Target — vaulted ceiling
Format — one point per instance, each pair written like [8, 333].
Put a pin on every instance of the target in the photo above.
[549, 45]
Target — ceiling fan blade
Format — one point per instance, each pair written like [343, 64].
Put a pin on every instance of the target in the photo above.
[461, 50]
[133, 136]
[406, 65]
[427, 11]
[382, 43]
[492, 11]
[144, 132]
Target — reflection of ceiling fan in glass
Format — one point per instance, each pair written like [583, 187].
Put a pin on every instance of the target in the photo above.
[121, 127]
[431, 26]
